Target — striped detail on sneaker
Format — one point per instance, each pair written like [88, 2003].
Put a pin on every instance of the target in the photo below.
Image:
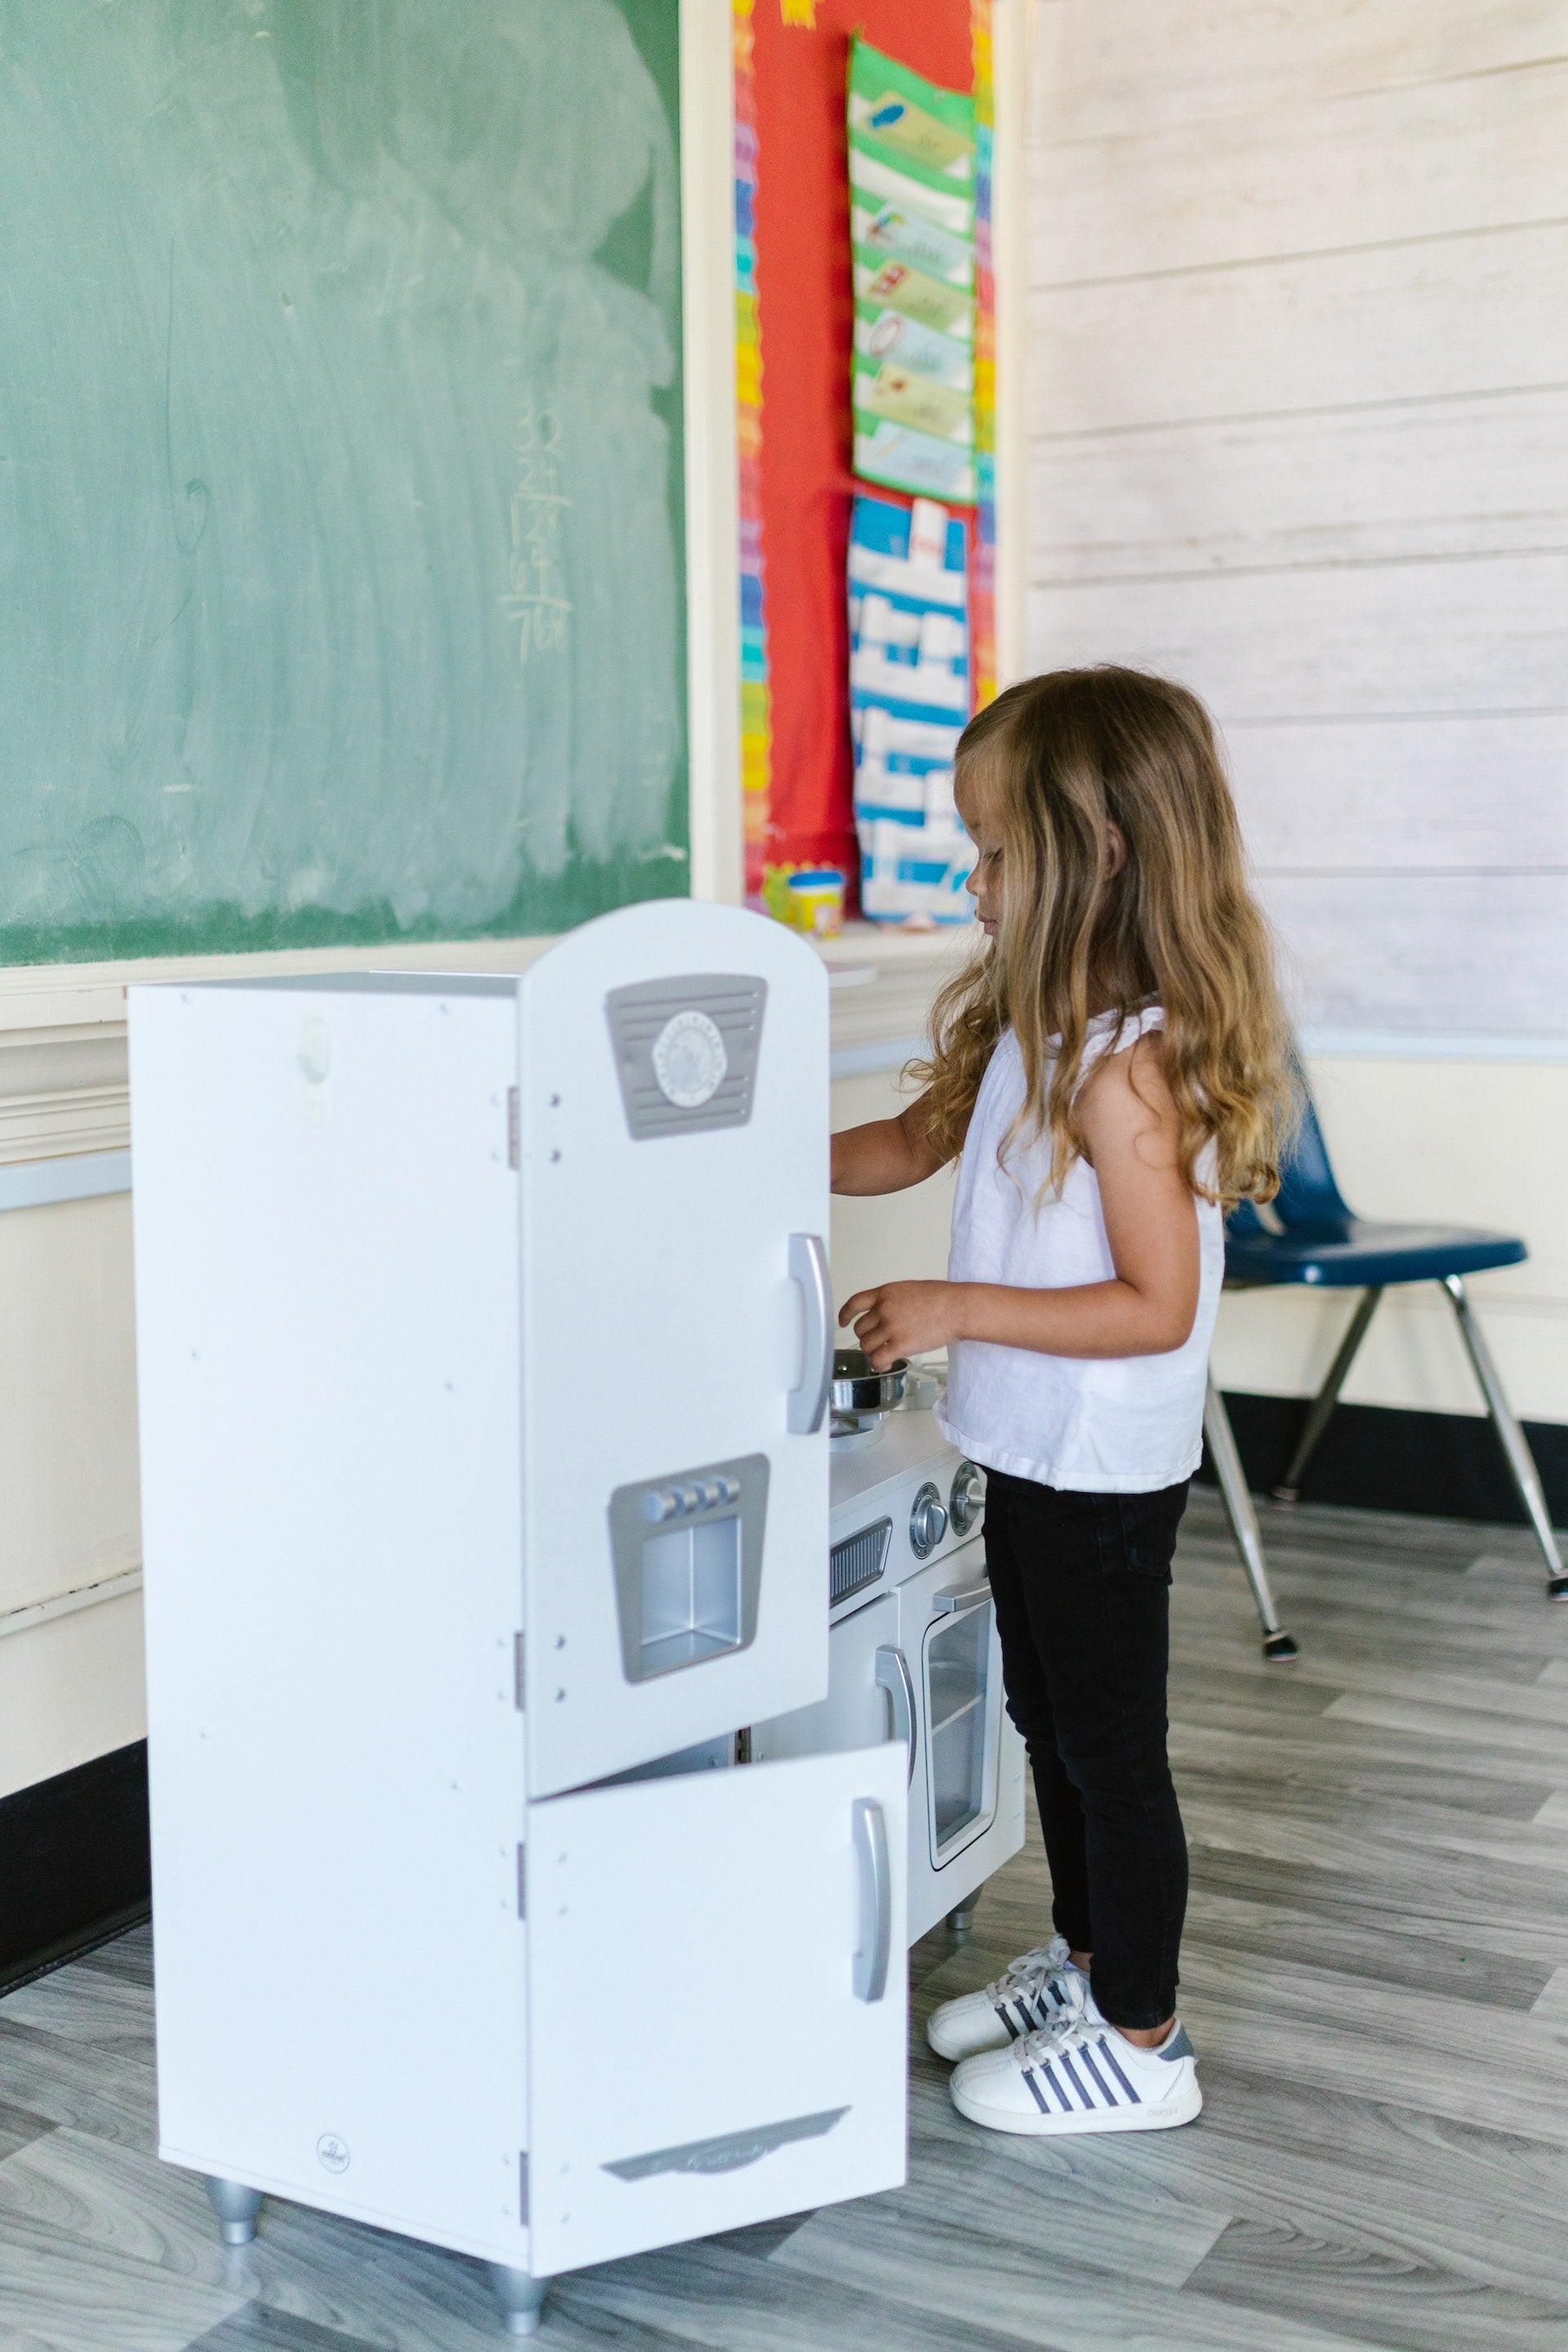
[1092, 2071]
[1062, 2100]
[1109, 2057]
[1076, 2069]
[1065, 2063]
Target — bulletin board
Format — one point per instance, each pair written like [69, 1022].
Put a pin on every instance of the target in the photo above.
[795, 332]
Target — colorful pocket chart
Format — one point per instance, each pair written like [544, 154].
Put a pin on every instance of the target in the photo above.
[910, 696]
[912, 224]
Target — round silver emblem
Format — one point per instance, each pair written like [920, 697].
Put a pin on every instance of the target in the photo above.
[331, 2153]
[689, 1061]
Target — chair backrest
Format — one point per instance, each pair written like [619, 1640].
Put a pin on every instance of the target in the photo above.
[1309, 1200]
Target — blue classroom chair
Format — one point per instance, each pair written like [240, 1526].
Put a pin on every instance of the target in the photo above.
[1309, 1235]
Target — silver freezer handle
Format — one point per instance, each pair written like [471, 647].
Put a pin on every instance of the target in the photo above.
[893, 1676]
[808, 1266]
[871, 1831]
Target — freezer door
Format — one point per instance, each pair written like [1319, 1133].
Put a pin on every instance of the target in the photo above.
[868, 1696]
[717, 2000]
[673, 1135]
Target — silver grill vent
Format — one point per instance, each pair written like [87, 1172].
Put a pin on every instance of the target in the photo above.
[857, 1561]
[725, 1010]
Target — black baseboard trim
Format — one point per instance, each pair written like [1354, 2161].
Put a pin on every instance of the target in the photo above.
[75, 1863]
[1374, 1458]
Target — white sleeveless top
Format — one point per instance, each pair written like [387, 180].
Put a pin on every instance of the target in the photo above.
[1118, 1425]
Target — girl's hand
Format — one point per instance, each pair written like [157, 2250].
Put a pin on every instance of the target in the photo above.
[904, 1318]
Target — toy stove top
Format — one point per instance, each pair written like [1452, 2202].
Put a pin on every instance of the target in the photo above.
[882, 1525]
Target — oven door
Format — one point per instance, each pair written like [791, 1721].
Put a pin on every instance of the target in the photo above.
[948, 1630]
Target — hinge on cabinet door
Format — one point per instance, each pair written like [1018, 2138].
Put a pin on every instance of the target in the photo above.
[518, 1663]
[522, 2180]
[513, 1128]
[522, 1882]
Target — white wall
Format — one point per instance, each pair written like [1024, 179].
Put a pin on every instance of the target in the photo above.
[1299, 436]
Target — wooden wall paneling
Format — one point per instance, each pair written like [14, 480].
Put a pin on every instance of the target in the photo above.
[1466, 476]
[1486, 635]
[1150, 62]
[1299, 436]
[1436, 952]
[1446, 791]
[1463, 314]
[1414, 160]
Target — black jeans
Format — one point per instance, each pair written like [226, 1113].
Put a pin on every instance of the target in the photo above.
[1081, 1585]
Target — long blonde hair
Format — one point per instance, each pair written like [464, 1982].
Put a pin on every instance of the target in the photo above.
[1054, 760]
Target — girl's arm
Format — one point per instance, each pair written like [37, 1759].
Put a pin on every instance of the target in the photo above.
[1148, 1306]
[888, 1155]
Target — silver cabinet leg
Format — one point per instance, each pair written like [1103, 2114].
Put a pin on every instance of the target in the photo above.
[961, 1918]
[1276, 1642]
[237, 2209]
[521, 2296]
[1521, 1461]
[1328, 1396]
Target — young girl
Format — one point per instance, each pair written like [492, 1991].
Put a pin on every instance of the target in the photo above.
[1109, 1072]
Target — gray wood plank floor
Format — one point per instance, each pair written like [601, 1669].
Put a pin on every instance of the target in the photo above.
[1375, 1975]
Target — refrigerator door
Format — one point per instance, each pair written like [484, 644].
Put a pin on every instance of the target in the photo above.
[868, 1699]
[717, 2001]
[675, 1325]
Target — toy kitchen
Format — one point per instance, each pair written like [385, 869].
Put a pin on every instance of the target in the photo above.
[534, 1851]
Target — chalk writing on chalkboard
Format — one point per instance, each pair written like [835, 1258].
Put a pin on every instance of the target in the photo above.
[342, 570]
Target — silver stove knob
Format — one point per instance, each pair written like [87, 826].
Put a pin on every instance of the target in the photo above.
[967, 1499]
[928, 1522]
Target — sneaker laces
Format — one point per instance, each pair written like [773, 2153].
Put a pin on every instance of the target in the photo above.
[1065, 2032]
[1029, 1972]
[1027, 1978]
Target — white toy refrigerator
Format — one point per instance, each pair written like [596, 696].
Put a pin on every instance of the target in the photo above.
[484, 1337]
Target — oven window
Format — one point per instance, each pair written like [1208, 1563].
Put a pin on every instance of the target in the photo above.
[957, 1660]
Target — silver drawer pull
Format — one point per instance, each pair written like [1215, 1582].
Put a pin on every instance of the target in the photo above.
[954, 1597]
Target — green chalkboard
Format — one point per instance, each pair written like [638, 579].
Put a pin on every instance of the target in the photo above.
[342, 566]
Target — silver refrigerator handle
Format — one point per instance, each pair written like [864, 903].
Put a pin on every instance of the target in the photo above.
[870, 1833]
[808, 1266]
[893, 1676]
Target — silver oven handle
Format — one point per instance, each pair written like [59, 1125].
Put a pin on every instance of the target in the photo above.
[870, 1833]
[893, 1676]
[954, 1597]
[808, 1266]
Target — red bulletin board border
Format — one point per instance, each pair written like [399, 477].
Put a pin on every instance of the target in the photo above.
[797, 52]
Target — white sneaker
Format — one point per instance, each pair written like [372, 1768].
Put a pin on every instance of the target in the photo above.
[1039, 1989]
[1080, 2076]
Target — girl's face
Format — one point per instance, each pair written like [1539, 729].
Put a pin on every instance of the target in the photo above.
[984, 884]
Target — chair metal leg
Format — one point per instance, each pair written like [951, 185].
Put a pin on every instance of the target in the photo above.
[1521, 1461]
[1276, 1642]
[1328, 1396]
